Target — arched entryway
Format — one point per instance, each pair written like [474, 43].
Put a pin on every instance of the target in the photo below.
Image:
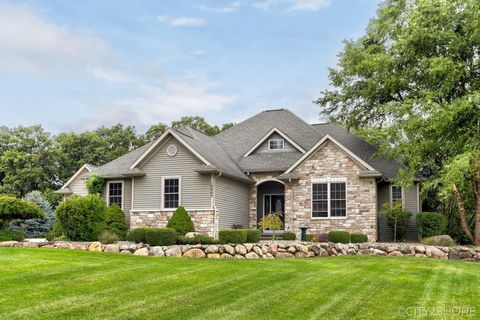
[270, 198]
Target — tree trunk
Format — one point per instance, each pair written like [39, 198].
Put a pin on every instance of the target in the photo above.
[476, 184]
[461, 209]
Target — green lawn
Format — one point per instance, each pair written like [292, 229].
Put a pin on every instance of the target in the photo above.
[62, 284]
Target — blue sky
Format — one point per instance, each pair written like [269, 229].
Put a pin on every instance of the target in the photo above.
[76, 65]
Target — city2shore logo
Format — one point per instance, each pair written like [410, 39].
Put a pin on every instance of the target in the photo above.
[454, 311]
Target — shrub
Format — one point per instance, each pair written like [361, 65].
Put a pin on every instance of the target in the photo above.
[197, 239]
[232, 236]
[339, 236]
[160, 236]
[95, 184]
[271, 221]
[358, 238]
[442, 240]
[138, 235]
[115, 221]
[253, 235]
[36, 228]
[12, 208]
[290, 236]
[181, 221]
[11, 235]
[82, 218]
[56, 232]
[107, 237]
[431, 224]
[398, 218]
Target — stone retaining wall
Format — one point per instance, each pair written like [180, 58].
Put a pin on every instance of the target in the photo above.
[265, 249]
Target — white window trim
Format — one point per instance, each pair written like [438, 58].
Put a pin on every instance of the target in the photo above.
[391, 194]
[162, 204]
[276, 139]
[328, 181]
[123, 191]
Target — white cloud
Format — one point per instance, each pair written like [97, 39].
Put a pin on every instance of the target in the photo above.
[188, 95]
[293, 5]
[228, 8]
[183, 21]
[30, 43]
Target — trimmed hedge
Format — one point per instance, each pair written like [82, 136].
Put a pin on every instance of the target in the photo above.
[431, 224]
[181, 221]
[253, 235]
[339, 236]
[137, 235]
[290, 236]
[358, 238]
[198, 239]
[11, 235]
[160, 236]
[232, 236]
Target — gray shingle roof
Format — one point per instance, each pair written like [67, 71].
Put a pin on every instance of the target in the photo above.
[226, 150]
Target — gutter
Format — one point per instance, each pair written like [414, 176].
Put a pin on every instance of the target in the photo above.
[214, 203]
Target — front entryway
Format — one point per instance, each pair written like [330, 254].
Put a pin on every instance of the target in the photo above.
[270, 198]
[274, 203]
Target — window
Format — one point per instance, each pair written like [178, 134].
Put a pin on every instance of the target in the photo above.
[115, 193]
[329, 200]
[275, 144]
[397, 195]
[171, 193]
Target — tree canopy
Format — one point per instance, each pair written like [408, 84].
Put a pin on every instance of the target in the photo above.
[12, 208]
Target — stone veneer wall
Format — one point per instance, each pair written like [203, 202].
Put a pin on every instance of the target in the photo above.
[203, 220]
[264, 249]
[332, 162]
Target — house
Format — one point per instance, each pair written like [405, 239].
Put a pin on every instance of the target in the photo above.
[319, 176]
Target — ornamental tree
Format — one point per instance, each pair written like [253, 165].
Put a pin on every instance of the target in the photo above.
[12, 208]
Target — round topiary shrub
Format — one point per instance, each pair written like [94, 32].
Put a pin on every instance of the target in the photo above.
[232, 236]
[290, 236]
[339, 236]
[358, 238]
[115, 221]
[82, 218]
[181, 221]
[431, 224]
[160, 236]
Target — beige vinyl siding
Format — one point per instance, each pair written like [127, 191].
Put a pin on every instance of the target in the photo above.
[410, 201]
[195, 188]
[287, 146]
[79, 186]
[232, 201]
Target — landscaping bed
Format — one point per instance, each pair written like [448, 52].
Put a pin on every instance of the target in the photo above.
[264, 249]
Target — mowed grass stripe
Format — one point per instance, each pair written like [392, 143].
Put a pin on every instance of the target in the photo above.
[65, 284]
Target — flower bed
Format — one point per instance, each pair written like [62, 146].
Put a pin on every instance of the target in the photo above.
[264, 249]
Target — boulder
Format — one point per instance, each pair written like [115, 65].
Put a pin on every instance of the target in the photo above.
[194, 253]
[173, 252]
[5, 244]
[273, 248]
[301, 254]
[269, 256]
[395, 254]
[213, 255]
[258, 251]
[229, 249]
[48, 246]
[133, 247]
[239, 249]
[211, 249]
[377, 252]
[141, 252]
[26, 245]
[419, 249]
[238, 256]
[192, 234]
[282, 255]
[94, 246]
[292, 249]
[157, 251]
[112, 248]
[434, 252]
[311, 254]
[465, 255]
[68, 245]
[265, 249]
[248, 246]
[351, 252]
[251, 255]
[443, 240]
[125, 252]
[226, 255]
[302, 248]
[80, 246]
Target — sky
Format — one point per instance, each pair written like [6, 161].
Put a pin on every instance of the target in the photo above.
[77, 65]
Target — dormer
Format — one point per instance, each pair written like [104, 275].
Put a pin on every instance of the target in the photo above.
[275, 141]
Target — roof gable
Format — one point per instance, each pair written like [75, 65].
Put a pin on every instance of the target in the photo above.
[268, 135]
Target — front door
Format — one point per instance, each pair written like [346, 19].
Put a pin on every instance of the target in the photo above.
[274, 203]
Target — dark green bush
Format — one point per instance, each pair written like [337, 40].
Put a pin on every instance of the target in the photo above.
[198, 239]
[82, 218]
[339, 236]
[12, 208]
[397, 218]
[358, 238]
[36, 228]
[431, 224]
[11, 235]
[95, 184]
[107, 237]
[290, 236]
[137, 235]
[55, 232]
[160, 236]
[253, 235]
[115, 221]
[232, 236]
[181, 221]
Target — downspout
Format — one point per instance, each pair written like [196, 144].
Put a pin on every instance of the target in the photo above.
[214, 203]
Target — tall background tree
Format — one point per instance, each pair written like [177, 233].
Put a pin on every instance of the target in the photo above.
[411, 85]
